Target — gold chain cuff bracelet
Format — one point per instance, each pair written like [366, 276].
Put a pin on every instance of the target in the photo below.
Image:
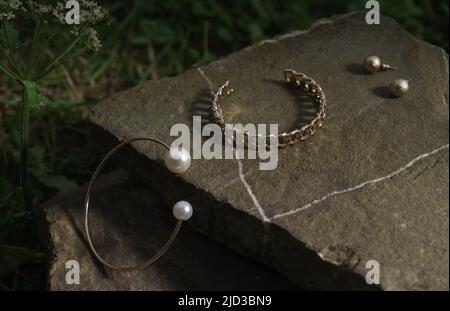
[295, 79]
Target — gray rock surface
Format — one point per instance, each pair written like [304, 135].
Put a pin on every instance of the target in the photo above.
[372, 183]
[129, 224]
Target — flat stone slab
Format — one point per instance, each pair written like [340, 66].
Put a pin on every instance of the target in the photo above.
[129, 224]
[371, 184]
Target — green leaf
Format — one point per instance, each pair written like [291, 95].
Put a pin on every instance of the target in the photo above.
[255, 31]
[12, 257]
[59, 59]
[194, 54]
[224, 34]
[60, 182]
[37, 155]
[9, 73]
[12, 43]
[199, 8]
[159, 33]
[33, 59]
[41, 171]
[140, 40]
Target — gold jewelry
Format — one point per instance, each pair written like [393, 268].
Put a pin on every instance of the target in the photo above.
[295, 79]
[373, 64]
[176, 160]
[399, 87]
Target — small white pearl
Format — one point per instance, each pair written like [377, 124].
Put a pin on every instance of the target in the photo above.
[372, 64]
[182, 210]
[177, 160]
[399, 87]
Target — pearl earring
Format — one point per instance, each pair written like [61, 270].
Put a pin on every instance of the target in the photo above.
[399, 87]
[373, 64]
[177, 161]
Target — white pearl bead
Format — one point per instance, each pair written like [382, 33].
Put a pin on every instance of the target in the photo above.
[182, 210]
[177, 160]
[399, 87]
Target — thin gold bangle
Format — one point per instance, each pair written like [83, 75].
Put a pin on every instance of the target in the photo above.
[166, 246]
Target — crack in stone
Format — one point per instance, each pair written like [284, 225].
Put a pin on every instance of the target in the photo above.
[234, 180]
[361, 185]
[249, 190]
[427, 168]
[444, 56]
[210, 84]
[244, 182]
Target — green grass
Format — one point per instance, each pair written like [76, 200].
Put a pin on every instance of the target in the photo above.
[143, 40]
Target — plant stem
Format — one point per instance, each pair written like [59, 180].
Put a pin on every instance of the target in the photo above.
[29, 98]
[9, 73]
[7, 32]
[33, 58]
[56, 61]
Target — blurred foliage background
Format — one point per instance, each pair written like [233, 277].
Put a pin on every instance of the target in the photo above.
[143, 39]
